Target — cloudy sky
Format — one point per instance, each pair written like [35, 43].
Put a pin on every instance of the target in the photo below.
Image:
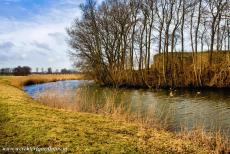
[32, 32]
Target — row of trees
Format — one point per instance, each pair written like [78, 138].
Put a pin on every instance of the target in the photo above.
[5, 71]
[20, 70]
[50, 71]
[26, 70]
[115, 40]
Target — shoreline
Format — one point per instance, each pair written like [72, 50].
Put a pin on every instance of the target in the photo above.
[190, 88]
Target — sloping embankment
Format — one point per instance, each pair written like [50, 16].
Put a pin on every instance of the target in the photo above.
[26, 123]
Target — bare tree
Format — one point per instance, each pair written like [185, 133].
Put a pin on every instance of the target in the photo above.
[114, 41]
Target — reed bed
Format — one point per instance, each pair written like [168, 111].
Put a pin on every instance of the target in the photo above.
[216, 141]
[79, 102]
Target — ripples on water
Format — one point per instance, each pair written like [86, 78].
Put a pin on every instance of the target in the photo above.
[210, 108]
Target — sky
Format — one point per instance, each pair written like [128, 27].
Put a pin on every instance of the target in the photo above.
[33, 32]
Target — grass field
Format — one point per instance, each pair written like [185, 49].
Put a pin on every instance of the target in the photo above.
[26, 123]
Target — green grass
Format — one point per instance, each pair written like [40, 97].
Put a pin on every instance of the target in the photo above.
[25, 122]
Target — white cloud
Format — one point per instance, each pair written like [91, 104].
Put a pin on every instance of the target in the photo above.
[38, 41]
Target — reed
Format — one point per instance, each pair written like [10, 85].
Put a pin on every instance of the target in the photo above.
[214, 141]
[20, 81]
[122, 111]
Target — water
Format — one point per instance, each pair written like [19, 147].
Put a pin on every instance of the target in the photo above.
[210, 108]
[72, 85]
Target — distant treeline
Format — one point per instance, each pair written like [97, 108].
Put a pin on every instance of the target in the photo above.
[114, 42]
[57, 71]
[26, 70]
[18, 71]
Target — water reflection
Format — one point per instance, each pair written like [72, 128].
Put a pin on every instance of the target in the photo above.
[209, 107]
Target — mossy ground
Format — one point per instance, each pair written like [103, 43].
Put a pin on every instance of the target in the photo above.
[24, 122]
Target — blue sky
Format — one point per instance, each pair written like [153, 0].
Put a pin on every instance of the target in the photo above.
[32, 32]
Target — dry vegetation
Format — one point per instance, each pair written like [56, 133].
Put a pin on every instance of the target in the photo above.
[19, 81]
[25, 122]
[216, 142]
[199, 75]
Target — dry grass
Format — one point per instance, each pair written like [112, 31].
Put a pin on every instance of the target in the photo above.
[20, 81]
[213, 141]
[121, 111]
[195, 72]
[114, 130]
[25, 122]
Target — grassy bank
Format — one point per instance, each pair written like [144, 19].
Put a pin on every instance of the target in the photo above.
[25, 122]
